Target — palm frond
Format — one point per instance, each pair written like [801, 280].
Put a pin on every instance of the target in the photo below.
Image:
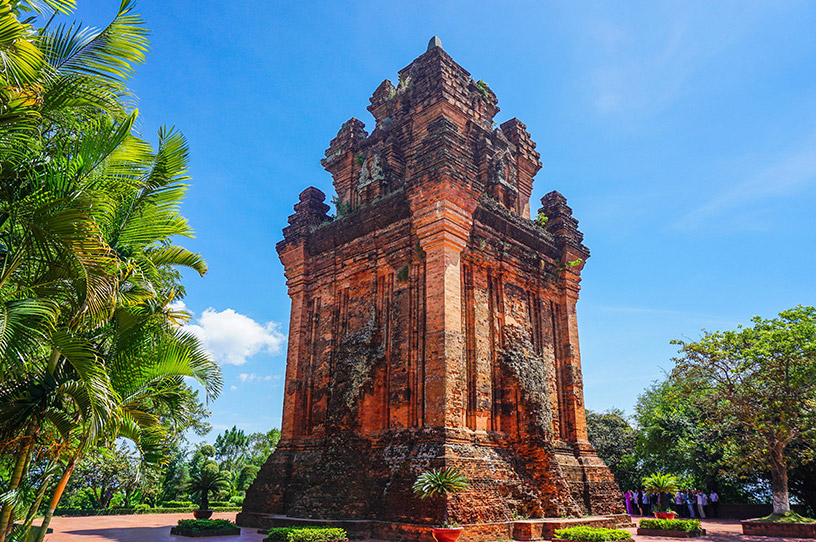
[25, 325]
[110, 53]
[21, 62]
[61, 6]
[177, 256]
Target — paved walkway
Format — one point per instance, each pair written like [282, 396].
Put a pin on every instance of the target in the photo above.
[156, 527]
[137, 528]
[717, 530]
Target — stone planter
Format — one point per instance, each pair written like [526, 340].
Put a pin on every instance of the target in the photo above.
[202, 514]
[787, 530]
[192, 533]
[670, 534]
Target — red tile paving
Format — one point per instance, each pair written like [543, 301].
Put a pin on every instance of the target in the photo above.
[156, 527]
[137, 528]
[717, 530]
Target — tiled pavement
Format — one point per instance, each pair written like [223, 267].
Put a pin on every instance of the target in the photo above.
[137, 528]
[156, 527]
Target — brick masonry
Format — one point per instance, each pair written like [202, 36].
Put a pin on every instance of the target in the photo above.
[433, 323]
[788, 530]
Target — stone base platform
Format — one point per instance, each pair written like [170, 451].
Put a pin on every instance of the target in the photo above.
[767, 528]
[361, 529]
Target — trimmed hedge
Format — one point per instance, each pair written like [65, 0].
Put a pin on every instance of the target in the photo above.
[176, 504]
[205, 524]
[75, 512]
[305, 534]
[670, 524]
[591, 534]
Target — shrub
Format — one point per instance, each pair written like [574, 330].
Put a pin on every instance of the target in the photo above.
[128, 511]
[220, 503]
[236, 500]
[141, 508]
[670, 524]
[205, 524]
[591, 534]
[177, 504]
[305, 534]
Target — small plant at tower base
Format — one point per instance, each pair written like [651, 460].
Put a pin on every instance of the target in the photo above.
[442, 482]
[659, 485]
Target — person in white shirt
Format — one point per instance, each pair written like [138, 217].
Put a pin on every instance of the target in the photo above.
[678, 503]
[715, 504]
[700, 503]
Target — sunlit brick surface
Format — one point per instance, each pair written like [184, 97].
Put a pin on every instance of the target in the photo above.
[433, 323]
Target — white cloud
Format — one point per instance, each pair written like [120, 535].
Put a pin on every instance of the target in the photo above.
[233, 388]
[232, 337]
[252, 377]
[783, 178]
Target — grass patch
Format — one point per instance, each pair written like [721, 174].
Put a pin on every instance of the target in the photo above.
[591, 534]
[670, 524]
[789, 517]
[205, 524]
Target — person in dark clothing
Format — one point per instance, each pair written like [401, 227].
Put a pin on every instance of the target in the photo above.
[646, 504]
[714, 504]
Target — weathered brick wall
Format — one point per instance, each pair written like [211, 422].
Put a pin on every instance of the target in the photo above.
[433, 323]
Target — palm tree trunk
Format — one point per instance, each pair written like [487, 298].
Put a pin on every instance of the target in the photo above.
[55, 498]
[16, 475]
[32, 511]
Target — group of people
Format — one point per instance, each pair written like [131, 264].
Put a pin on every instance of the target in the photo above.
[687, 503]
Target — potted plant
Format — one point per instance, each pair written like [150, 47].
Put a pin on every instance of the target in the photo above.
[207, 479]
[442, 482]
[660, 484]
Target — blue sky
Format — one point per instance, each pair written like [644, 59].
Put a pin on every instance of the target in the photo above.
[682, 133]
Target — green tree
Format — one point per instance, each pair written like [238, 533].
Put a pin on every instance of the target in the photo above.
[262, 445]
[675, 435]
[760, 382]
[232, 448]
[90, 350]
[246, 476]
[108, 472]
[614, 441]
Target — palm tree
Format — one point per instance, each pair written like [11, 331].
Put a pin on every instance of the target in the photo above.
[89, 348]
[442, 482]
[207, 480]
[658, 484]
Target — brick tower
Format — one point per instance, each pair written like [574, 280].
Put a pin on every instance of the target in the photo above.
[433, 324]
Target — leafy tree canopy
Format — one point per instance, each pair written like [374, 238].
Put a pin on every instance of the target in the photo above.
[757, 385]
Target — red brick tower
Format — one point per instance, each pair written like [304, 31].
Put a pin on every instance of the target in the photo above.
[433, 324]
